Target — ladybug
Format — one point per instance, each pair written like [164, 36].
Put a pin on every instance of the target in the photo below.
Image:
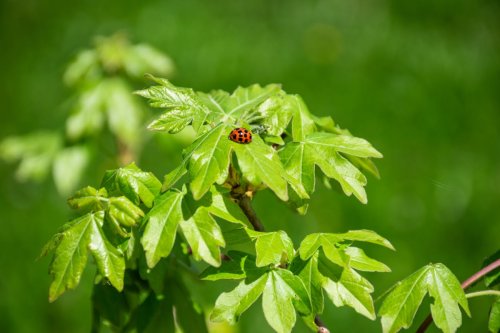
[241, 135]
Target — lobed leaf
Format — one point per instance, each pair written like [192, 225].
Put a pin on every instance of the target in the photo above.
[132, 182]
[400, 305]
[70, 257]
[259, 163]
[161, 227]
[230, 305]
[272, 248]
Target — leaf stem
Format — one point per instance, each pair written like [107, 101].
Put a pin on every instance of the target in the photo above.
[483, 293]
[466, 284]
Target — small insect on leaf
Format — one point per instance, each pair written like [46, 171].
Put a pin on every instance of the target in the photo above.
[241, 135]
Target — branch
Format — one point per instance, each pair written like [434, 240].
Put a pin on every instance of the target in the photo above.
[245, 203]
[466, 284]
[244, 200]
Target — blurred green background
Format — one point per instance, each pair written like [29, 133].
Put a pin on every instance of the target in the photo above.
[418, 79]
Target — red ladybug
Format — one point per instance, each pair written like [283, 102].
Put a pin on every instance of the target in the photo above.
[241, 135]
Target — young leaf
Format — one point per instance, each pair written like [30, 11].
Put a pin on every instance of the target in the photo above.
[109, 259]
[132, 182]
[204, 236]
[243, 100]
[277, 302]
[401, 304]
[346, 287]
[238, 265]
[208, 159]
[444, 287]
[229, 306]
[259, 163]
[161, 228]
[331, 244]
[70, 257]
[360, 261]
[88, 199]
[494, 320]
[322, 149]
[123, 212]
[272, 248]
[308, 272]
[183, 102]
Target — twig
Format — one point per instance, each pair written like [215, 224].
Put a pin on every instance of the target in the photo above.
[245, 204]
[466, 284]
[321, 326]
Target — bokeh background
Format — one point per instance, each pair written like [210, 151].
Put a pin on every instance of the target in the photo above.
[418, 79]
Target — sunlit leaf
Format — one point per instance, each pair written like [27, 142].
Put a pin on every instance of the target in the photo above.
[230, 305]
[272, 247]
[132, 182]
[401, 304]
[259, 163]
[161, 227]
[70, 257]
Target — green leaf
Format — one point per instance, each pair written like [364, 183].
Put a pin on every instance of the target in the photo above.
[345, 144]
[277, 113]
[124, 113]
[259, 163]
[171, 122]
[242, 102]
[235, 266]
[360, 261]
[401, 304]
[88, 116]
[132, 182]
[323, 149]
[203, 234]
[444, 287]
[182, 101]
[70, 257]
[35, 152]
[230, 305]
[272, 248]
[308, 272]
[142, 58]
[122, 211]
[277, 300]
[208, 160]
[69, 168]
[161, 226]
[331, 243]
[494, 320]
[302, 122]
[84, 67]
[88, 199]
[346, 287]
[109, 259]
